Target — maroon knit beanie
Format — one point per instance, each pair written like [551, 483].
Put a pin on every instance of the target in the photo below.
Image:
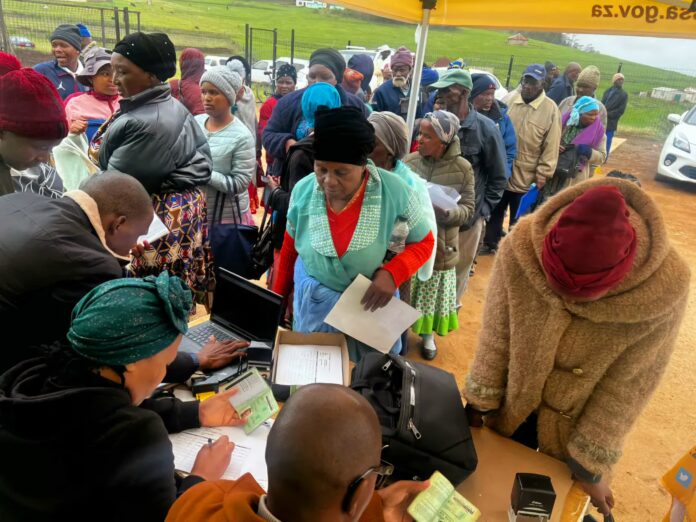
[8, 62]
[31, 107]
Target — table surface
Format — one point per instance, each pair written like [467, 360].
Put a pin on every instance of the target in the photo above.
[499, 459]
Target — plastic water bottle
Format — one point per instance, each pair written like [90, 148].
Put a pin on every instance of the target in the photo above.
[397, 241]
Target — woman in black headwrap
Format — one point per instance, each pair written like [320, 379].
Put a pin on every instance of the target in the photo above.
[349, 218]
[155, 139]
[286, 80]
[325, 65]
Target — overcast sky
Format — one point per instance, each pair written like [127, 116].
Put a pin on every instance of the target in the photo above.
[667, 53]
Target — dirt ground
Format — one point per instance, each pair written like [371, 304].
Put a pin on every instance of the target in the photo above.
[667, 427]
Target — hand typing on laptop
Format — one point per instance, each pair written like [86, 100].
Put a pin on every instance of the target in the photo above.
[218, 354]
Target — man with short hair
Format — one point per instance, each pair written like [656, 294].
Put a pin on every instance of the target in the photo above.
[482, 146]
[615, 101]
[66, 44]
[537, 123]
[323, 458]
[587, 84]
[393, 95]
[564, 86]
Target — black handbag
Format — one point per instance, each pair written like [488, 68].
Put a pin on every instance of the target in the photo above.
[420, 410]
[232, 243]
[567, 166]
[262, 251]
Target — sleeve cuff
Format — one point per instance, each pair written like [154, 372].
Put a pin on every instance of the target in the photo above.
[189, 415]
[581, 473]
[188, 482]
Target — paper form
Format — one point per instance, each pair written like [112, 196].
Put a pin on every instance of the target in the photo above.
[156, 231]
[248, 455]
[379, 329]
[307, 364]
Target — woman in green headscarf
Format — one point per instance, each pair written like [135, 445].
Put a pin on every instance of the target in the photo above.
[74, 443]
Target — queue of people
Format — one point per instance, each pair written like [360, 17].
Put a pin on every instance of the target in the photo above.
[592, 266]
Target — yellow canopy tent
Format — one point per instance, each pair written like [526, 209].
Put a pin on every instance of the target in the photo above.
[668, 18]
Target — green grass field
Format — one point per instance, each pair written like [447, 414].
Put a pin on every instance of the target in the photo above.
[217, 27]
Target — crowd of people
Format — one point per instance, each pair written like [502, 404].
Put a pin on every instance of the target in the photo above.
[582, 311]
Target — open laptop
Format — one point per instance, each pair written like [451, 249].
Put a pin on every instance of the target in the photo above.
[241, 310]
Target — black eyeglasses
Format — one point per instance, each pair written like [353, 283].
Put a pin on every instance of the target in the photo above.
[382, 471]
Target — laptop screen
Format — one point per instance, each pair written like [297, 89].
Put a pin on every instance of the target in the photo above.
[250, 311]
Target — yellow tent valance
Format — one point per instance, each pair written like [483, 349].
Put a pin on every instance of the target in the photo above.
[670, 18]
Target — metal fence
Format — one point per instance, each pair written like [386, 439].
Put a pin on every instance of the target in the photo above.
[28, 25]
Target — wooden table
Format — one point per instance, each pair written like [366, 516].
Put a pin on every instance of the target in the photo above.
[499, 459]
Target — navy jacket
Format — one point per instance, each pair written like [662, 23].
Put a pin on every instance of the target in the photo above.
[615, 100]
[287, 115]
[498, 114]
[561, 88]
[483, 147]
[64, 82]
[388, 98]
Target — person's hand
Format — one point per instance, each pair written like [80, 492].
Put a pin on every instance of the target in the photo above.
[474, 416]
[289, 144]
[380, 291]
[218, 411]
[561, 148]
[273, 182]
[213, 459]
[441, 214]
[540, 181]
[139, 249]
[218, 354]
[600, 494]
[78, 127]
[584, 151]
[397, 497]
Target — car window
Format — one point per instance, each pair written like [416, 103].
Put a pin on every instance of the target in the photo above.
[691, 117]
[260, 65]
[298, 66]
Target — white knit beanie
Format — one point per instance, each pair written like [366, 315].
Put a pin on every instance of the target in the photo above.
[225, 79]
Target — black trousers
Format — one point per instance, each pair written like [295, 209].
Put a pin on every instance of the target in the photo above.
[494, 229]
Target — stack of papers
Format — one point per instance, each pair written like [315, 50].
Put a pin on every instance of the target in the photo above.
[249, 455]
[307, 364]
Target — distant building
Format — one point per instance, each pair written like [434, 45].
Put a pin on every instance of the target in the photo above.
[518, 39]
[311, 4]
[670, 94]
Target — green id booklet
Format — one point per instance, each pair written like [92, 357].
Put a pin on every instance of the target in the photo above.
[254, 396]
[441, 503]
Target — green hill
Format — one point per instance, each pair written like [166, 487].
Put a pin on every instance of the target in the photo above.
[217, 27]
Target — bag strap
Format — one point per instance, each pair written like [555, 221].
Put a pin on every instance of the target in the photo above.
[220, 206]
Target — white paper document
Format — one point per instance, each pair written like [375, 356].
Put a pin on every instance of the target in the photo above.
[379, 329]
[307, 364]
[156, 231]
[443, 197]
[249, 455]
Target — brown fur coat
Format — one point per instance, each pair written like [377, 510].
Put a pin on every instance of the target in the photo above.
[589, 368]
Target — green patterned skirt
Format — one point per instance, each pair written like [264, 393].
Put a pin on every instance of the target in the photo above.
[436, 299]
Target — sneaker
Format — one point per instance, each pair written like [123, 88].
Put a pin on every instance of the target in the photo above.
[487, 250]
[429, 350]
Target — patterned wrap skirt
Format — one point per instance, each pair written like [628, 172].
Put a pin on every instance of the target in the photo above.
[436, 299]
[185, 252]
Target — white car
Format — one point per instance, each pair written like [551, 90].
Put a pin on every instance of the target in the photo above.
[262, 70]
[214, 61]
[678, 157]
[500, 91]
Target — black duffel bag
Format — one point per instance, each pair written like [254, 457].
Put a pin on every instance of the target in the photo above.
[424, 426]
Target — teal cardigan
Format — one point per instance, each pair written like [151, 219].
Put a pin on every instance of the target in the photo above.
[387, 197]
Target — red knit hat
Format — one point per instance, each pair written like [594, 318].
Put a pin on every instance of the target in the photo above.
[8, 62]
[30, 106]
[592, 246]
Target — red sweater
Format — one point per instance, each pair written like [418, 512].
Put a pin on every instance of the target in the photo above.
[342, 226]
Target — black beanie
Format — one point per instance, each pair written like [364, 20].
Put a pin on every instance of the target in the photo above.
[331, 59]
[153, 53]
[343, 136]
[68, 33]
[482, 82]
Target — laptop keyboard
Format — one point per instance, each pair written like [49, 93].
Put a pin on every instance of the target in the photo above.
[202, 333]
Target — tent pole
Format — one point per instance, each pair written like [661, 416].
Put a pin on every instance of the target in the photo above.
[418, 68]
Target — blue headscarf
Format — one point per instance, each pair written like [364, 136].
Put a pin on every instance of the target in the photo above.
[126, 320]
[582, 105]
[322, 95]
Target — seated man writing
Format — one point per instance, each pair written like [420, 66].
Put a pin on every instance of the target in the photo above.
[323, 458]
